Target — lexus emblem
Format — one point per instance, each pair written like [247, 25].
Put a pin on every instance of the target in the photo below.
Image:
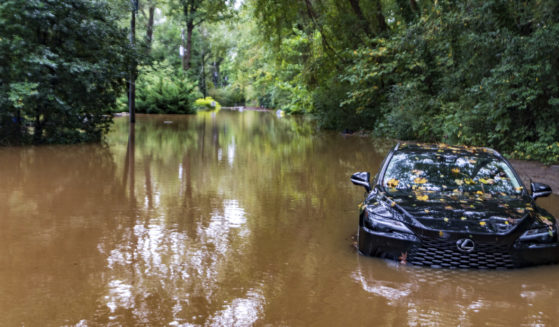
[465, 245]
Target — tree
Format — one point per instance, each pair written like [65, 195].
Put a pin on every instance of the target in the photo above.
[63, 64]
[195, 12]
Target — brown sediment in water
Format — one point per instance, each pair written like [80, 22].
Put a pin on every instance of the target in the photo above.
[223, 220]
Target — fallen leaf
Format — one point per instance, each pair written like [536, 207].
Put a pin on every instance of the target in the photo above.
[545, 220]
[393, 183]
[420, 180]
[422, 197]
[455, 170]
[482, 223]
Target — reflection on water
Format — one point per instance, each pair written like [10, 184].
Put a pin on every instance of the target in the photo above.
[470, 298]
[230, 219]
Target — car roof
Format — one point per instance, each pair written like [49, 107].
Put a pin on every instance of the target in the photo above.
[445, 148]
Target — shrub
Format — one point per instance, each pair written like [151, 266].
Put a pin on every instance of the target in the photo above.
[161, 89]
[207, 103]
[546, 153]
[228, 96]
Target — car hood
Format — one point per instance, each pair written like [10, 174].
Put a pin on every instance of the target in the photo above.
[471, 214]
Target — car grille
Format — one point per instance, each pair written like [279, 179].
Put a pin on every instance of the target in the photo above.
[445, 254]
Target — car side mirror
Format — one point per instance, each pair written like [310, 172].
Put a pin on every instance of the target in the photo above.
[540, 190]
[362, 178]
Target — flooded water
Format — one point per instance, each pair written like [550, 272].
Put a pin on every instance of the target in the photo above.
[232, 219]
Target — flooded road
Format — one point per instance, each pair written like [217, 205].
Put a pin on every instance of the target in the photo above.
[232, 219]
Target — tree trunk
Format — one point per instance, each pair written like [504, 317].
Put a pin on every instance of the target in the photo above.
[203, 73]
[132, 77]
[188, 46]
[38, 128]
[413, 6]
[216, 75]
[357, 11]
[380, 18]
[149, 29]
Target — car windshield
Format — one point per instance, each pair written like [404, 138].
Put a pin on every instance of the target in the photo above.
[444, 172]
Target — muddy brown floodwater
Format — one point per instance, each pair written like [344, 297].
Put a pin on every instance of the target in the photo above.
[227, 219]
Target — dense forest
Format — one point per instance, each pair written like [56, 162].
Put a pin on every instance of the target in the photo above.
[475, 72]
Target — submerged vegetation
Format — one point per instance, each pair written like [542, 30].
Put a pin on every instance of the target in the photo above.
[475, 72]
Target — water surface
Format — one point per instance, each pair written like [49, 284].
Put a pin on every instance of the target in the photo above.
[227, 219]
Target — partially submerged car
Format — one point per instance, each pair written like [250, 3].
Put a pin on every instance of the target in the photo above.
[454, 207]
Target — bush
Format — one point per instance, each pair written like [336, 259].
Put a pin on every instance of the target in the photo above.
[207, 103]
[228, 96]
[546, 153]
[161, 89]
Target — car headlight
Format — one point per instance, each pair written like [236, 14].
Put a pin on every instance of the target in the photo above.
[381, 219]
[543, 234]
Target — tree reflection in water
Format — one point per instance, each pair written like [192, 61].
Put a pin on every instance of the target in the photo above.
[231, 220]
[170, 257]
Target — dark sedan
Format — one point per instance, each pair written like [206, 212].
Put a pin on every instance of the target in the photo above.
[454, 207]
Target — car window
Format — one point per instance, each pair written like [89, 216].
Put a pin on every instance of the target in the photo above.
[449, 172]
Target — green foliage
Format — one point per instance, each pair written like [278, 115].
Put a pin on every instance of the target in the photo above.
[163, 89]
[207, 103]
[546, 153]
[465, 74]
[228, 96]
[477, 72]
[63, 64]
